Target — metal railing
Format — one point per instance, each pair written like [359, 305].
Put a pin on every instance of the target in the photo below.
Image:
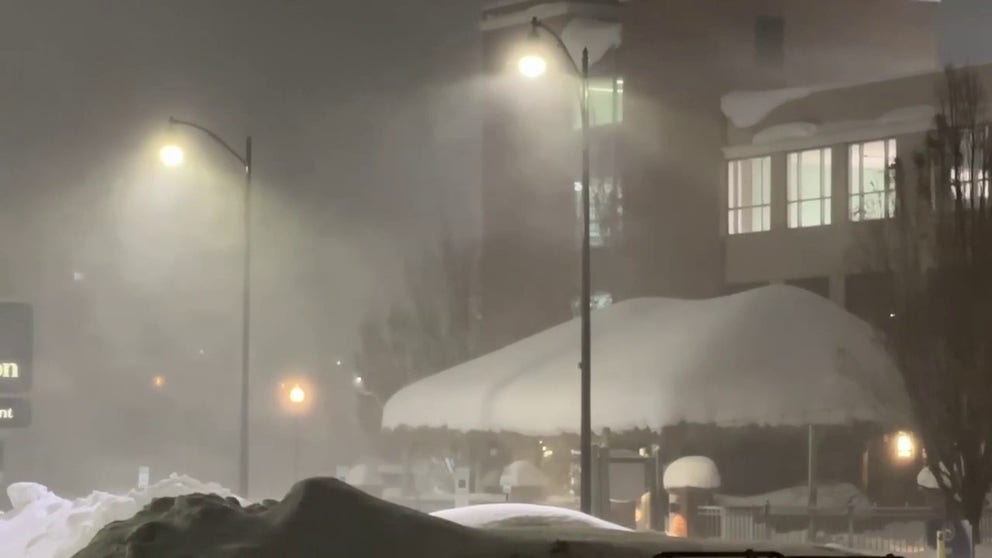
[878, 530]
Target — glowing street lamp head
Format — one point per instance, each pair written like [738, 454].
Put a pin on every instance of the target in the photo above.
[158, 381]
[905, 445]
[171, 155]
[297, 395]
[532, 66]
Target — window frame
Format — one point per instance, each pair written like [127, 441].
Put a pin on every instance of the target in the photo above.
[888, 191]
[735, 209]
[794, 187]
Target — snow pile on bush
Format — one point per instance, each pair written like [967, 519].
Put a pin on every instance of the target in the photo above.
[694, 471]
[44, 525]
[523, 515]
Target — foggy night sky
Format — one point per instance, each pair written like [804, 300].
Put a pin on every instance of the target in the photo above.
[365, 128]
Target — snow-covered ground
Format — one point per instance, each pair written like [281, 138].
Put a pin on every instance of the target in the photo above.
[658, 367]
[522, 515]
[45, 525]
[317, 517]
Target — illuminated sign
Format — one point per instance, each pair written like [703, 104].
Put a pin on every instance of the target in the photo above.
[16, 347]
[14, 412]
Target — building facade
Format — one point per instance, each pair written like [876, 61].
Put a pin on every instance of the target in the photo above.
[663, 73]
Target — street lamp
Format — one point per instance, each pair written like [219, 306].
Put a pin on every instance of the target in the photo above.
[297, 398]
[533, 66]
[172, 156]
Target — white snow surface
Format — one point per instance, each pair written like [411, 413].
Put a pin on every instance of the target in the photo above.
[747, 108]
[693, 471]
[828, 495]
[522, 515]
[776, 355]
[523, 474]
[45, 525]
[922, 114]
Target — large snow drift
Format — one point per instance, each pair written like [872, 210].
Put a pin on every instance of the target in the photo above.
[44, 525]
[776, 355]
[523, 515]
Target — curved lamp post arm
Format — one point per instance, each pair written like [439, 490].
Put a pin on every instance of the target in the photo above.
[537, 24]
[213, 136]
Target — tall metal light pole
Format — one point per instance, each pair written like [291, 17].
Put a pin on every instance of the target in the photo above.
[245, 161]
[585, 430]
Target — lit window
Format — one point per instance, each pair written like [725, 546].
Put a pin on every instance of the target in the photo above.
[973, 148]
[749, 186]
[605, 211]
[605, 102]
[808, 196]
[872, 187]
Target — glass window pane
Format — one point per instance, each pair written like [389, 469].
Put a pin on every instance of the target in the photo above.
[854, 164]
[810, 178]
[766, 221]
[809, 213]
[856, 208]
[766, 190]
[793, 166]
[827, 209]
[793, 215]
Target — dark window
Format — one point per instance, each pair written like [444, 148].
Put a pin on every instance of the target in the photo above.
[769, 41]
[818, 285]
[869, 296]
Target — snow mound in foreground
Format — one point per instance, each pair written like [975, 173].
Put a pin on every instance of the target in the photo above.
[319, 517]
[693, 471]
[523, 515]
[776, 355]
[44, 525]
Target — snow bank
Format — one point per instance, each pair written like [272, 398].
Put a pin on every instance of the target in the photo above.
[522, 515]
[777, 355]
[694, 471]
[828, 495]
[44, 525]
[319, 517]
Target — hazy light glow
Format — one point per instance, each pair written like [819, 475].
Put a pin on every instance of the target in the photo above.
[297, 395]
[171, 155]
[158, 381]
[532, 66]
[905, 445]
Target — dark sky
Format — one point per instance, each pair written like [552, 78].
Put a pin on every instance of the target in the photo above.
[364, 118]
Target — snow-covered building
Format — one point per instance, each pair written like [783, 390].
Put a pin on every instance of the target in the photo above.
[807, 178]
[659, 71]
[737, 378]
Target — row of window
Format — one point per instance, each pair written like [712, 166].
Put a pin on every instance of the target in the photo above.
[809, 187]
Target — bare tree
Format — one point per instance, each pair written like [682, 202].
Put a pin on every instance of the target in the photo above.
[939, 247]
[428, 332]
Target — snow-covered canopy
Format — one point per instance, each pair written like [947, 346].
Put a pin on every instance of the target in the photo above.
[692, 471]
[776, 355]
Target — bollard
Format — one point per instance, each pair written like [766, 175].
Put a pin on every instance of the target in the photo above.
[941, 543]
